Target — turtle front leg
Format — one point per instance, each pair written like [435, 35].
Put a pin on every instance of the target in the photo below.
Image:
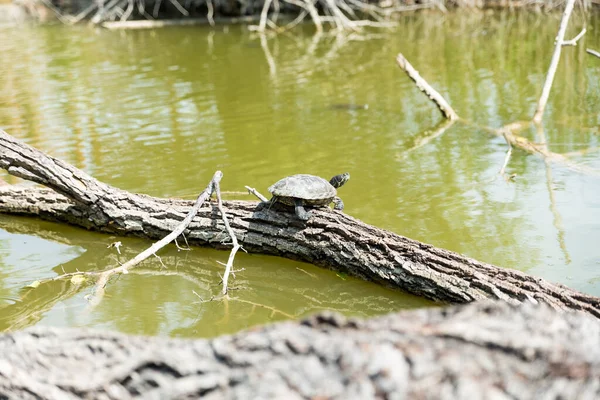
[338, 203]
[300, 211]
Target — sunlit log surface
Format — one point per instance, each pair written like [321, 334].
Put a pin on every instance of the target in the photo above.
[483, 350]
[330, 238]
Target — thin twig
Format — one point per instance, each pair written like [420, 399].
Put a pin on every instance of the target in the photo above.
[129, 10]
[309, 6]
[422, 84]
[573, 42]
[210, 12]
[264, 15]
[83, 14]
[180, 8]
[593, 52]
[105, 276]
[295, 22]
[507, 158]
[539, 112]
[56, 11]
[156, 8]
[101, 15]
[276, 10]
[236, 246]
[264, 45]
[256, 193]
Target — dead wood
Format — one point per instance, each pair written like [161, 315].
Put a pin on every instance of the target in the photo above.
[426, 88]
[153, 24]
[483, 350]
[104, 276]
[560, 42]
[331, 238]
[593, 52]
[509, 131]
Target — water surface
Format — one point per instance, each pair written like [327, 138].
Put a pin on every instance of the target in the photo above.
[158, 111]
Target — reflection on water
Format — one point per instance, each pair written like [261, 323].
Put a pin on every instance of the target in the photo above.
[159, 111]
[174, 301]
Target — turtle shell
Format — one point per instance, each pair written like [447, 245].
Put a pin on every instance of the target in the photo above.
[313, 190]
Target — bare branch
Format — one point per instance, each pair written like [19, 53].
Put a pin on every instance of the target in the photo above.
[256, 193]
[182, 226]
[210, 12]
[424, 87]
[537, 117]
[264, 15]
[507, 158]
[573, 42]
[593, 52]
[180, 8]
[236, 246]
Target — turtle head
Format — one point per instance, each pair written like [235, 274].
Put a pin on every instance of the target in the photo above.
[339, 180]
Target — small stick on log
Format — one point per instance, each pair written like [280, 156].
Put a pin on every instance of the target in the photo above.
[236, 246]
[593, 52]
[104, 276]
[422, 84]
[256, 193]
[537, 117]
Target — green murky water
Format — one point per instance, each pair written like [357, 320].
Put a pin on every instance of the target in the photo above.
[159, 111]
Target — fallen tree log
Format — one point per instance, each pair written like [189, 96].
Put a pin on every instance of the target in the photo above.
[330, 238]
[483, 350]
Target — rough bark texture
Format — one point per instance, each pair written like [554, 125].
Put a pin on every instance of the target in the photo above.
[330, 238]
[483, 350]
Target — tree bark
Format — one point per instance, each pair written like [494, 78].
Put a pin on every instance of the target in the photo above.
[483, 350]
[330, 238]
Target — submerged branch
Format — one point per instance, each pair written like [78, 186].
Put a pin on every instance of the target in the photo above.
[506, 159]
[508, 131]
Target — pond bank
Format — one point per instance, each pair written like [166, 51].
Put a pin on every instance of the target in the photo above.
[343, 14]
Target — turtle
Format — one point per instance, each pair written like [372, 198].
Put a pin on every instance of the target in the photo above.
[308, 190]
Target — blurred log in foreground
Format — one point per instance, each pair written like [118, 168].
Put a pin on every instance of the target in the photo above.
[483, 350]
